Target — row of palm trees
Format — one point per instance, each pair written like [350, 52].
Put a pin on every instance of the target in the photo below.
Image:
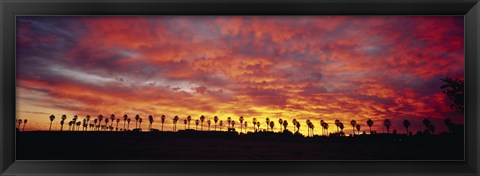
[19, 122]
[74, 124]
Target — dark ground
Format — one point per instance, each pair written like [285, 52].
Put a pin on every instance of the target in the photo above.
[191, 145]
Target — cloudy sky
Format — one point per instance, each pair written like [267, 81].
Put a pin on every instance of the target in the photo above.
[303, 67]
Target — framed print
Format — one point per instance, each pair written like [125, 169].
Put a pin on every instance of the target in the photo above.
[304, 87]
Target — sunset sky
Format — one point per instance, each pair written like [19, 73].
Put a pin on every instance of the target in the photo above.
[303, 67]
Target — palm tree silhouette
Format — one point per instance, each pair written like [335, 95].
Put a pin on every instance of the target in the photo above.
[128, 124]
[432, 128]
[221, 124]
[326, 127]
[427, 124]
[64, 117]
[209, 122]
[245, 123]
[75, 117]
[24, 123]
[370, 124]
[163, 120]
[70, 125]
[285, 124]
[19, 121]
[116, 128]
[255, 124]
[215, 119]
[100, 118]
[308, 125]
[150, 120]
[88, 118]
[450, 125]
[140, 123]
[78, 125]
[387, 123]
[406, 124]
[353, 123]
[125, 117]
[294, 121]
[258, 125]
[358, 128]
[189, 118]
[137, 117]
[337, 123]
[112, 119]
[175, 120]
[298, 126]
[229, 121]
[95, 122]
[272, 124]
[322, 124]
[267, 120]
[233, 124]
[280, 121]
[241, 123]
[106, 122]
[185, 123]
[202, 119]
[340, 124]
[84, 124]
[196, 124]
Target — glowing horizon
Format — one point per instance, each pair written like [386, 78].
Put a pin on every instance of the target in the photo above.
[302, 67]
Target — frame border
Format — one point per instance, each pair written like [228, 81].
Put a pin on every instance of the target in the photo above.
[11, 8]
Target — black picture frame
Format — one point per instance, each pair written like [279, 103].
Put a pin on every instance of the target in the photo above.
[11, 8]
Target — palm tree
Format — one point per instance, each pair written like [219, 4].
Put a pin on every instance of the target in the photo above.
[202, 119]
[298, 126]
[387, 123]
[95, 122]
[322, 124]
[189, 118]
[112, 118]
[285, 124]
[267, 120]
[140, 123]
[163, 120]
[19, 121]
[84, 124]
[353, 123]
[432, 128]
[229, 121]
[125, 117]
[294, 121]
[245, 123]
[196, 124]
[75, 117]
[370, 124]
[100, 118]
[106, 122]
[221, 124]
[24, 123]
[280, 121]
[272, 124]
[70, 125]
[337, 123]
[137, 117]
[215, 119]
[406, 124]
[358, 128]
[450, 125]
[64, 117]
[258, 125]
[241, 122]
[128, 124]
[78, 125]
[150, 120]
[308, 125]
[233, 124]
[185, 123]
[326, 127]
[427, 124]
[340, 124]
[254, 124]
[209, 122]
[116, 128]
[175, 120]
[88, 118]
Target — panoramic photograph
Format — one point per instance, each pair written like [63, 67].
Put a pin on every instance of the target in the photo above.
[240, 88]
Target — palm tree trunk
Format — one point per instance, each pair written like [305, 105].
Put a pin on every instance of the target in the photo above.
[50, 129]
[162, 126]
